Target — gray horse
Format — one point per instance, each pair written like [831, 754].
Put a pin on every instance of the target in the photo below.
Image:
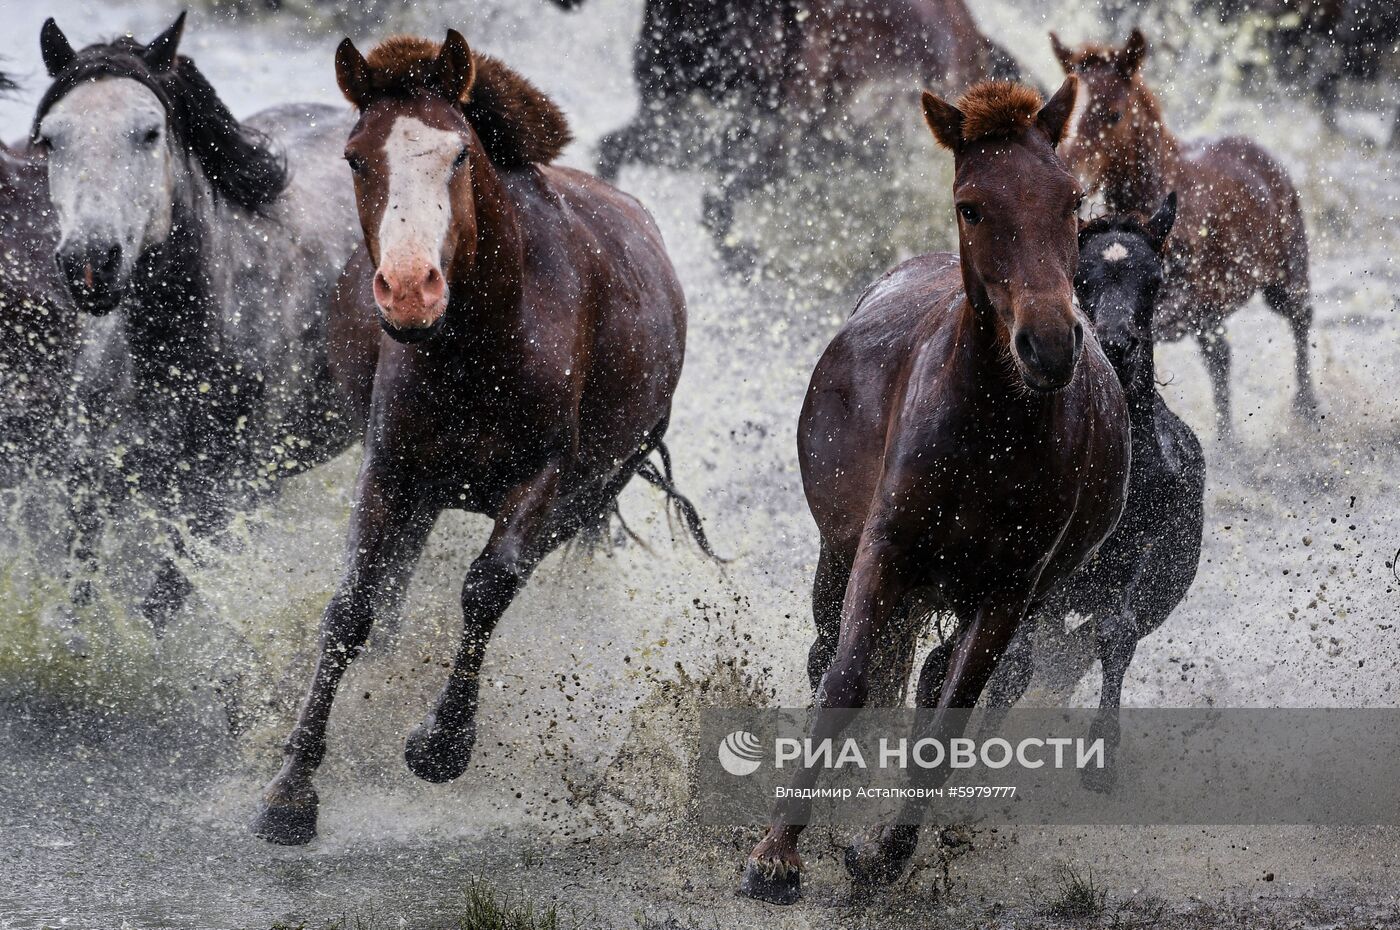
[210, 248]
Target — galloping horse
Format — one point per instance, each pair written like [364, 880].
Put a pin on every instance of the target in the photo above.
[964, 441]
[1142, 572]
[1241, 228]
[784, 62]
[40, 322]
[534, 335]
[218, 243]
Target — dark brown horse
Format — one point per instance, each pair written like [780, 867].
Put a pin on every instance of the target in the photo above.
[534, 334]
[1240, 229]
[40, 334]
[784, 62]
[964, 441]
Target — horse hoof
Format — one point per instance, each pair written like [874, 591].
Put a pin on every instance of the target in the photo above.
[286, 824]
[877, 862]
[438, 754]
[771, 882]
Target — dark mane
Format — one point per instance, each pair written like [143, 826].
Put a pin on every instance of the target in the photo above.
[518, 123]
[1132, 223]
[239, 162]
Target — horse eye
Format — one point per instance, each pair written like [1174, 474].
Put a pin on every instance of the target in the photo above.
[461, 158]
[1113, 117]
[356, 163]
[970, 214]
[1078, 202]
[43, 142]
[150, 136]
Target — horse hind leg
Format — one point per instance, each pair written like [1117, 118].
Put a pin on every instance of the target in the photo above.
[1215, 349]
[828, 589]
[1293, 305]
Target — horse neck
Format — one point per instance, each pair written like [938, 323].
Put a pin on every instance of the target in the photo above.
[1139, 176]
[171, 319]
[488, 292]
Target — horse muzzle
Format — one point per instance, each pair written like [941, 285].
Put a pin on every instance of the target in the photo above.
[1047, 356]
[94, 276]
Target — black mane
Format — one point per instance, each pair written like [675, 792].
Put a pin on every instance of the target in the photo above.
[1131, 223]
[239, 162]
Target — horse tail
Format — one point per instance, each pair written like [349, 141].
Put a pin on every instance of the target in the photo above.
[663, 479]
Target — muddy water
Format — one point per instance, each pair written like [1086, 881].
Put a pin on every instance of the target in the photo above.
[125, 795]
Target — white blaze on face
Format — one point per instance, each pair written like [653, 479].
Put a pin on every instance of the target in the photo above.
[1115, 253]
[111, 173]
[418, 211]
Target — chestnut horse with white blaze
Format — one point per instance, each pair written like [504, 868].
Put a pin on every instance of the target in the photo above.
[964, 446]
[1240, 228]
[533, 335]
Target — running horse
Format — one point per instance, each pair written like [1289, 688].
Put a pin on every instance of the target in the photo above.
[533, 335]
[40, 321]
[1240, 229]
[964, 447]
[210, 248]
[779, 64]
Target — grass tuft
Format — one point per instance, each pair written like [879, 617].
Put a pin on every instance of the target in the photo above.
[1079, 898]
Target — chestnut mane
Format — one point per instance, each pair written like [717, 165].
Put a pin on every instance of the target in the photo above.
[518, 124]
[998, 110]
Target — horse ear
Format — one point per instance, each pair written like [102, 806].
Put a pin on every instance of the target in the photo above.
[945, 120]
[352, 73]
[160, 54]
[55, 48]
[1063, 52]
[1053, 118]
[455, 68]
[1133, 54]
[1160, 226]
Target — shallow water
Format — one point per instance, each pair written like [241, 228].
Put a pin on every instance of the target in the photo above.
[125, 797]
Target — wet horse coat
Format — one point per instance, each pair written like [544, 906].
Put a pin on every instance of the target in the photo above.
[1240, 229]
[964, 442]
[210, 248]
[533, 335]
[40, 337]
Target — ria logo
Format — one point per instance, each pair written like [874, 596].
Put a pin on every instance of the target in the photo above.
[739, 753]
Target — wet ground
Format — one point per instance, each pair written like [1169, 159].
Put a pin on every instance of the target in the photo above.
[124, 797]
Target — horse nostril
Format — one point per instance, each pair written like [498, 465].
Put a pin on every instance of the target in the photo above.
[113, 261]
[1025, 347]
[1078, 337]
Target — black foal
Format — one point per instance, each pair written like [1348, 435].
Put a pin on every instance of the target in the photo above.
[1145, 568]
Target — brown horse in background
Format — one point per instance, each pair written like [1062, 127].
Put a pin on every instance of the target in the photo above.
[784, 63]
[964, 442]
[40, 323]
[1240, 230]
[533, 335]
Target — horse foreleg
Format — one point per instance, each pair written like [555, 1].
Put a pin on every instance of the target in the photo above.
[387, 533]
[441, 747]
[876, 590]
[971, 661]
[1117, 641]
